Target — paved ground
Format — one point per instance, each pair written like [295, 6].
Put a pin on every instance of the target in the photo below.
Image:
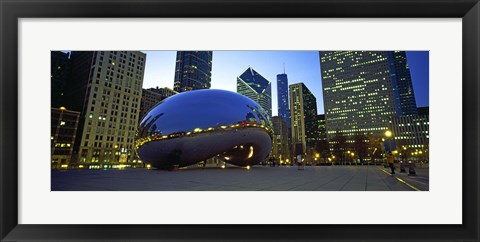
[258, 178]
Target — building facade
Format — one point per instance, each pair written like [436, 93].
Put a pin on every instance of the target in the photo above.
[256, 87]
[423, 111]
[282, 99]
[193, 70]
[107, 89]
[411, 131]
[60, 70]
[303, 108]
[281, 148]
[151, 97]
[64, 125]
[321, 128]
[363, 90]
[402, 83]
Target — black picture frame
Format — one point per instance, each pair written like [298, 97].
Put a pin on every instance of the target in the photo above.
[12, 10]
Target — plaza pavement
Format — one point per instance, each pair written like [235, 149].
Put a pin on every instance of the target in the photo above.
[258, 178]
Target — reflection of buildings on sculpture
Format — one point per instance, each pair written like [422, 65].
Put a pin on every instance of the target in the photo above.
[256, 87]
[194, 126]
[281, 149]
[151, 97]
[106, 88]
[63, 130]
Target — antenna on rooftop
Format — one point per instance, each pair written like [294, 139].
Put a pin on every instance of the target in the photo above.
[283, 67]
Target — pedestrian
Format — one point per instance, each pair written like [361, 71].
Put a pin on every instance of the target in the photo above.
[299, 162]
[389, 156]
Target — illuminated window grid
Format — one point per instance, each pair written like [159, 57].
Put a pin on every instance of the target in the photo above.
[358, 94]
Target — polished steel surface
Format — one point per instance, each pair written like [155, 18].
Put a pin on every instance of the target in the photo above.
[193, 126]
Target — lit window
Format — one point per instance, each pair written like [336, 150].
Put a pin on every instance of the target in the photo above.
[62, 123]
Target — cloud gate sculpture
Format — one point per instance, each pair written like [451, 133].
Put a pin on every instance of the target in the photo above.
[193, 126]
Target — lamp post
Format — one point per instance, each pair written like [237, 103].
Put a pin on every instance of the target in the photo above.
[389, 142]
[388, 133]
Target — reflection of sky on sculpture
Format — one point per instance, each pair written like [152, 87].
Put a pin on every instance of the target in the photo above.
[301, 66]
[200, 110]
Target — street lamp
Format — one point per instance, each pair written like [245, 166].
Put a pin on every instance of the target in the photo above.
[388, 133]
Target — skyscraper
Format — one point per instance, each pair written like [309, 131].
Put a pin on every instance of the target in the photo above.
[322, 131]
[106, 89]
[282, 92]
[60, 69]
[363, 90]
[280, 139]
[303, 107]
[193, 70]
[254, 86]
[402, 83]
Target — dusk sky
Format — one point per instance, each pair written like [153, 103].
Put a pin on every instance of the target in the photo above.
[300, 66]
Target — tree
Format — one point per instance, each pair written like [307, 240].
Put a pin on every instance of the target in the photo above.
[375, 147]
[323, 148]
[403, 150]
[361, 144]
[339, 146]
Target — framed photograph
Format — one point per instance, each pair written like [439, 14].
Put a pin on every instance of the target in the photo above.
[265, 120]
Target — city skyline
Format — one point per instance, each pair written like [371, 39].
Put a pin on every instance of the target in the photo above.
[300, 66]
[365, 95]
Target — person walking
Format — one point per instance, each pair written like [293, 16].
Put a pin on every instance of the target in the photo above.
[389, 156]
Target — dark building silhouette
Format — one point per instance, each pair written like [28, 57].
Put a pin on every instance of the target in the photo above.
[60, 75]
[193, 70]
[402, 83]
[303, 107]
[321, 129]
[423, 111]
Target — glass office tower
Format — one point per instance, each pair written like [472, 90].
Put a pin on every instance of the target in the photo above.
[193, 70]
[256, 87]
[282, 98]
